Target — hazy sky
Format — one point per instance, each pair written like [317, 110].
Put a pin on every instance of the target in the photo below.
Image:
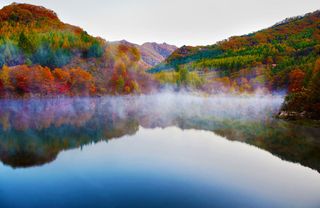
[180, 22]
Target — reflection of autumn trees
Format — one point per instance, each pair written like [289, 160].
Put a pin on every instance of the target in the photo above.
[289, 141]
[33, 132]
[36, 147]
[41, 114]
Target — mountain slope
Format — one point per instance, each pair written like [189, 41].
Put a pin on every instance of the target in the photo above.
[35, 35]
[40, 55]
[282, 57]
[293, 37]
[154, 53]
[151, 53]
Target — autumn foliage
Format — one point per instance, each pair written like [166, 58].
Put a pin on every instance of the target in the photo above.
[42, 56]
[34, 35]
[37, 80]
[307, 98]
[296, 78]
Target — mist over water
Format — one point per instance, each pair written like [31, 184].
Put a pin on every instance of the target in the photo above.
[29, 129]
[159, 149]
[159, 108]
[168, 105]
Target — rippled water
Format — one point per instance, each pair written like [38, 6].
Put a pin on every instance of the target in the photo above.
[163, 150]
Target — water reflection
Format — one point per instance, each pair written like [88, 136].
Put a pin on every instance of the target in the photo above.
[160, 167]
[33, 132]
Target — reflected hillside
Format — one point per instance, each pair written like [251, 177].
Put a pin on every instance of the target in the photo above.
[34, 132]
[289, 141]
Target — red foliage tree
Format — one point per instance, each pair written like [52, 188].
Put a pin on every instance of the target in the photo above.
[19, 77]
[62, 81]
[1, 88]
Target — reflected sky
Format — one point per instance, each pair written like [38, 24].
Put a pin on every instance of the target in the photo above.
[163, 168]
[161, 150]
[33, 132]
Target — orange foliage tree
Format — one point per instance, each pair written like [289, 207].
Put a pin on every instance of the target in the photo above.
[317, 66]
[296, 79]
[41, 80]
[37, 80]
[82, 82]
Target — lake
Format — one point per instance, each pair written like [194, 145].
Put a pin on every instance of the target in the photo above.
[160, 150]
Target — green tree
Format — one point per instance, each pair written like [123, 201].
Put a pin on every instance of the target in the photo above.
[183, 76]
[25, 44]
[10, 54]
[315, 88]
[95, 50]
[120, 84]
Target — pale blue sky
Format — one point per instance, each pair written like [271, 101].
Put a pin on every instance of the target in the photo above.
[179, 22]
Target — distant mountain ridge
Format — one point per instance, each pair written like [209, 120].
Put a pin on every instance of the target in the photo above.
[151, 53]
[154, 53]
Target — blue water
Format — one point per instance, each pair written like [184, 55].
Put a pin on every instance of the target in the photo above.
[98, 153]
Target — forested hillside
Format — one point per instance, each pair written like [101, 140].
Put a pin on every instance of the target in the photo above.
[34, 35]
[282, 57]
[40, 55]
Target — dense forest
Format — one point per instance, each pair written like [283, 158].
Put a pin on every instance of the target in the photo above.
[284, 57]
[40, 55]
[34, 35]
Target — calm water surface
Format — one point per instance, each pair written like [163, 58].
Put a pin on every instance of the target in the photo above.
[165, 150]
